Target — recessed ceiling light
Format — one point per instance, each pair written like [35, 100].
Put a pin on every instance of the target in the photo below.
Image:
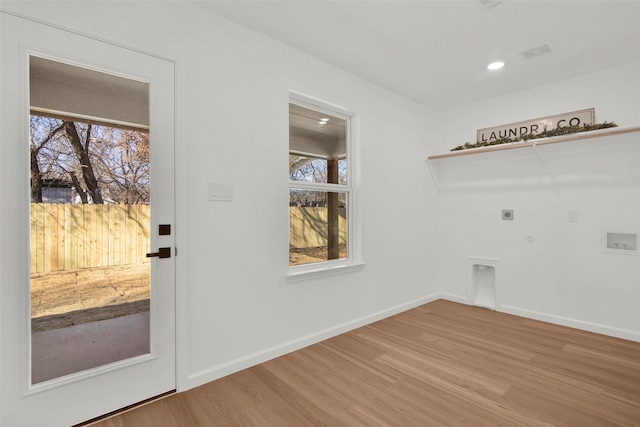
[324, 120]
[495, 65]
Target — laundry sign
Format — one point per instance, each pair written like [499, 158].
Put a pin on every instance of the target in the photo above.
[518, 130]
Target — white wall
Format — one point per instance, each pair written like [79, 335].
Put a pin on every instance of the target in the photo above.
[240, 304]
[233, 99]
[562, 276]
[235, 305]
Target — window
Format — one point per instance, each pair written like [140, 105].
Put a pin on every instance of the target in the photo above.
[321, 195]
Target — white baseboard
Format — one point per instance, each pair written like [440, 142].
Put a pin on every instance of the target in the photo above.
[453, 298]
[557, 320]
[573, 323]
[211, 374]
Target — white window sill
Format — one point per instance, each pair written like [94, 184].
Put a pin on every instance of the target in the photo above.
[313, 271]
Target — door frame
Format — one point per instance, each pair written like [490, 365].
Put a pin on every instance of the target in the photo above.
[33, 13]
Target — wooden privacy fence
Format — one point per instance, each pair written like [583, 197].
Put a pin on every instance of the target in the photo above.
[308, 227]
[70, 236]
[75, 236]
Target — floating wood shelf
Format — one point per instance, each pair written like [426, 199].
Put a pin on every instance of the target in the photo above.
[539, 142]
[436, 162]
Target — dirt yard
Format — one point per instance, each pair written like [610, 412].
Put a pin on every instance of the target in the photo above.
[309, 255]
[69, 298]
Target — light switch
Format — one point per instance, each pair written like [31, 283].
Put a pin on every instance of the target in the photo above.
[220, 192]
[573, 215]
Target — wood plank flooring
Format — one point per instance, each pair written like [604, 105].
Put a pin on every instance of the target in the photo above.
[441, 364]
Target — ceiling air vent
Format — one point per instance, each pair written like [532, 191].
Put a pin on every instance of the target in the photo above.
[539, 50]
[490, 3]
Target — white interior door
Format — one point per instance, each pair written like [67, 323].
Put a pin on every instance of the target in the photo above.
[45, 378]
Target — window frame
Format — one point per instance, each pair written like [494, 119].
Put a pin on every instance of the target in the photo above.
[353, 259]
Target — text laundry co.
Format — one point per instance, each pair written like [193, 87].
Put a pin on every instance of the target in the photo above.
[518, 130]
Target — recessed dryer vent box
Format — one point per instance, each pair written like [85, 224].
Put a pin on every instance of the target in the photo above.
[625, 243]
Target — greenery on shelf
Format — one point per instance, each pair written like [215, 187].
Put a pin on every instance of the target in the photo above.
[566, 130]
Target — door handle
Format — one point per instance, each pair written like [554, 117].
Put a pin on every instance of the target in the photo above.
[162, 253]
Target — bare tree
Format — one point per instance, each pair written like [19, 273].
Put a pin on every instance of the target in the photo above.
[102, 163]
[124, 167]
[36, 146]
[82, 153]
[307, 169]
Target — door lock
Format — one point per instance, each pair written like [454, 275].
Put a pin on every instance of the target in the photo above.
[162, 253]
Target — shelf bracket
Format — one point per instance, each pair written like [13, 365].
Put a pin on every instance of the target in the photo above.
[434, 174]
[542, 161]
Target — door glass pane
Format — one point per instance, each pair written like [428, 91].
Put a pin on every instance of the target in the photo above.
[90, 219]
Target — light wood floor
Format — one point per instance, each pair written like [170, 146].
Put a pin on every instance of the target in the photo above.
[441, 364]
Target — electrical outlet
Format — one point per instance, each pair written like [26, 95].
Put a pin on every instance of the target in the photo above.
[572, 215]
[507, 214]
